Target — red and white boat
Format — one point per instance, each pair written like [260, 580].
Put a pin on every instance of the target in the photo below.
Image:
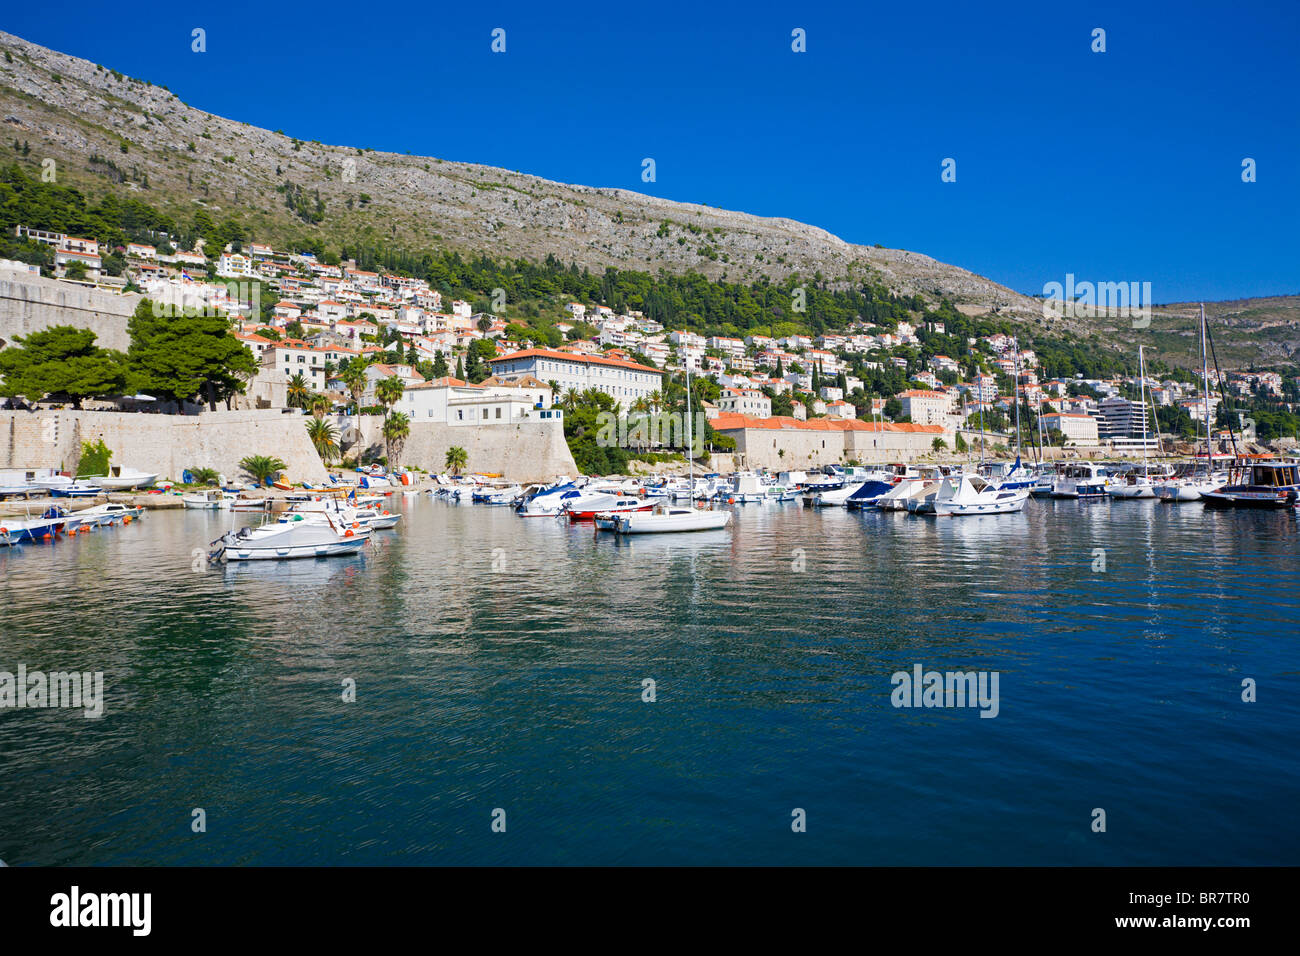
[586, 507]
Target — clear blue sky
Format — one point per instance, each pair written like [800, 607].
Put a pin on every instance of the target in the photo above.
[1118, 166]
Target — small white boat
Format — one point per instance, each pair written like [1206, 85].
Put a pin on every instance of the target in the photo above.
[834, 498]
[77, 488]
[53, 521]
[292, 536]
[971, 495]
[548, 502]
[209, 500]
[346, 515]
[615, 505]
[668, 518]
[109, 513]
[1132, 487]
[1081, 480]
[121, 478]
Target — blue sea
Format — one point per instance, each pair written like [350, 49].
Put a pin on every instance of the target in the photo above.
[532, 692]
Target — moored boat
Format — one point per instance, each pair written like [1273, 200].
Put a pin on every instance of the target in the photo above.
[670, 518]
[960, 495]
[1253, 483]
[292, 536]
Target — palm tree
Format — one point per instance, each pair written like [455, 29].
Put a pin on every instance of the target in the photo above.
[263, 468]
[397, 428]
[319, 406]
[389, 392]
[299, 389]
[457, 458]
[555, 389]
[204, 476]
[325, 437]
[570, 400]
[655, 400]
[355, 379]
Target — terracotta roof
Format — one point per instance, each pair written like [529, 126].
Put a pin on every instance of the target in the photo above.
[575, 357]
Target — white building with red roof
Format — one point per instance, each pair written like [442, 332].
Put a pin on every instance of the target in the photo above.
[624, 380]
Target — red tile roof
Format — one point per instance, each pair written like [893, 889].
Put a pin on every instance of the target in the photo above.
[575, 357]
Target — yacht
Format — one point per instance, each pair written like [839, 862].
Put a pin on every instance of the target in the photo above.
[1257, 483]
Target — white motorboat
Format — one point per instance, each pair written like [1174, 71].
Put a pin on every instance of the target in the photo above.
[615, 504]
[834, 498]
[77, 488]
[664, 517]
[109, 513]
[347, 516]
[209, 500]
[971, 495]
[121, 478]
[1081, 480]
[903, 492]
[745, 487]
[499, 496]
[292, 536]
[52, 521]
[548, 502]
[1131, 487]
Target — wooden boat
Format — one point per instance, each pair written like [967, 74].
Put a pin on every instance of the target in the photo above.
[1255, 483]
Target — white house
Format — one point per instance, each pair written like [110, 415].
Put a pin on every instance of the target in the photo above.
[624, 380]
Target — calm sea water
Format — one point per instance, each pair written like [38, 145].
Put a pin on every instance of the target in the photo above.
[499, 664]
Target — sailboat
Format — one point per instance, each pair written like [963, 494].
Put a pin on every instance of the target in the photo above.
[1193, 487]
[664, 517]
[1134, 485]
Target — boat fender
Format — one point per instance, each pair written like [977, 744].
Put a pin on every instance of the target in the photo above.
[349, 533]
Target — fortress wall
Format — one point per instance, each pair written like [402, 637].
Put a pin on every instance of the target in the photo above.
[165, 444]
[31, 303]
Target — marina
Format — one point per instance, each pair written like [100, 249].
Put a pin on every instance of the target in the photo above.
[498, 659]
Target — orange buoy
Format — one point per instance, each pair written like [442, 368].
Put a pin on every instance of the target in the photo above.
[349, 533]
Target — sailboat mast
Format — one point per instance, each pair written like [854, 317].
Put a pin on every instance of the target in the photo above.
[1015, 388]
[1205, 396]
[1142, 391]
[690, 436]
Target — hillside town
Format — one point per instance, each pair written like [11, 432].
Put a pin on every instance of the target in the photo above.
[466, 367]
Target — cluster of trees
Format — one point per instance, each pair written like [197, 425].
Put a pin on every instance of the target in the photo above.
[173, 358]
